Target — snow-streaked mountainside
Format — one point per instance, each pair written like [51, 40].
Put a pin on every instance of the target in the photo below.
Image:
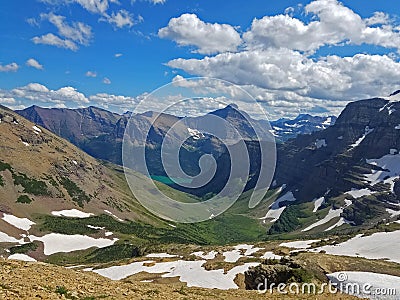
[285, 129]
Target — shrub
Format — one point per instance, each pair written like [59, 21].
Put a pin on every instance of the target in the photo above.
[24, 199]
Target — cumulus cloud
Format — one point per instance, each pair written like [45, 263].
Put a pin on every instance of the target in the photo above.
[332, 24]
[278, 61]
[91, 74]
[93, 6]
[40, 93]
[34, 64]
[118, 55]
[106, 80]
[12, 67]
[208, 38]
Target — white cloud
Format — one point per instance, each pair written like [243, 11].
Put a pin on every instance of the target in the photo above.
[157, 1]
[91, 74]
[106, 80]
[12, 67]
[120, 19]
[277, 65]
[39, 92]
[34, 64]
[118, 55]
[77, 31]
[73, 34]
[332, 24]
[94, 6]
[53, 40]
[189, 30]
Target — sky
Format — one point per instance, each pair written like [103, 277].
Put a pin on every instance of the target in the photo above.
[291, 56]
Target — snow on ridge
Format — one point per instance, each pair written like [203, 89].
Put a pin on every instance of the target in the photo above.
[359, 193]
[393, 213]
[390, 164]
[36, 129]
[5, 238]
[195, 133]
[20, 223]
[71, 213]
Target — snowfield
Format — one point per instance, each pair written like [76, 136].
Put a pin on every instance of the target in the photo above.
[55, 242]
[190, 272]
[376, 281]
[380, 245]
[71, 213]
[20, 223]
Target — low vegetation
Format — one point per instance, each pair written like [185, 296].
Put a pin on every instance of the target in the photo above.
[74, 191]
[24, 199]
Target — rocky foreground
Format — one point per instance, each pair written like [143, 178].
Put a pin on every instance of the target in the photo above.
[21, 280]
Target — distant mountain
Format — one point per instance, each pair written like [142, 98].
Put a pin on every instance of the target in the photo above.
[353, 166]
[285, 129]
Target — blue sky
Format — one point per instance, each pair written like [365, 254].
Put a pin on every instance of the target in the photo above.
[128, 48]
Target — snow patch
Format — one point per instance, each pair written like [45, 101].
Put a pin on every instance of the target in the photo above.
[72, 213]
[359, 193]
[275, 210]
[161, 255]
[55, 242]
[367, 131]
[320, 143]
[209, 255]
[5, 238]
[333, 213]
[23, 257]
[36, 129]
[20, 223]
[317, 203]
[112, 215]
[299, 244]
[270, 255]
